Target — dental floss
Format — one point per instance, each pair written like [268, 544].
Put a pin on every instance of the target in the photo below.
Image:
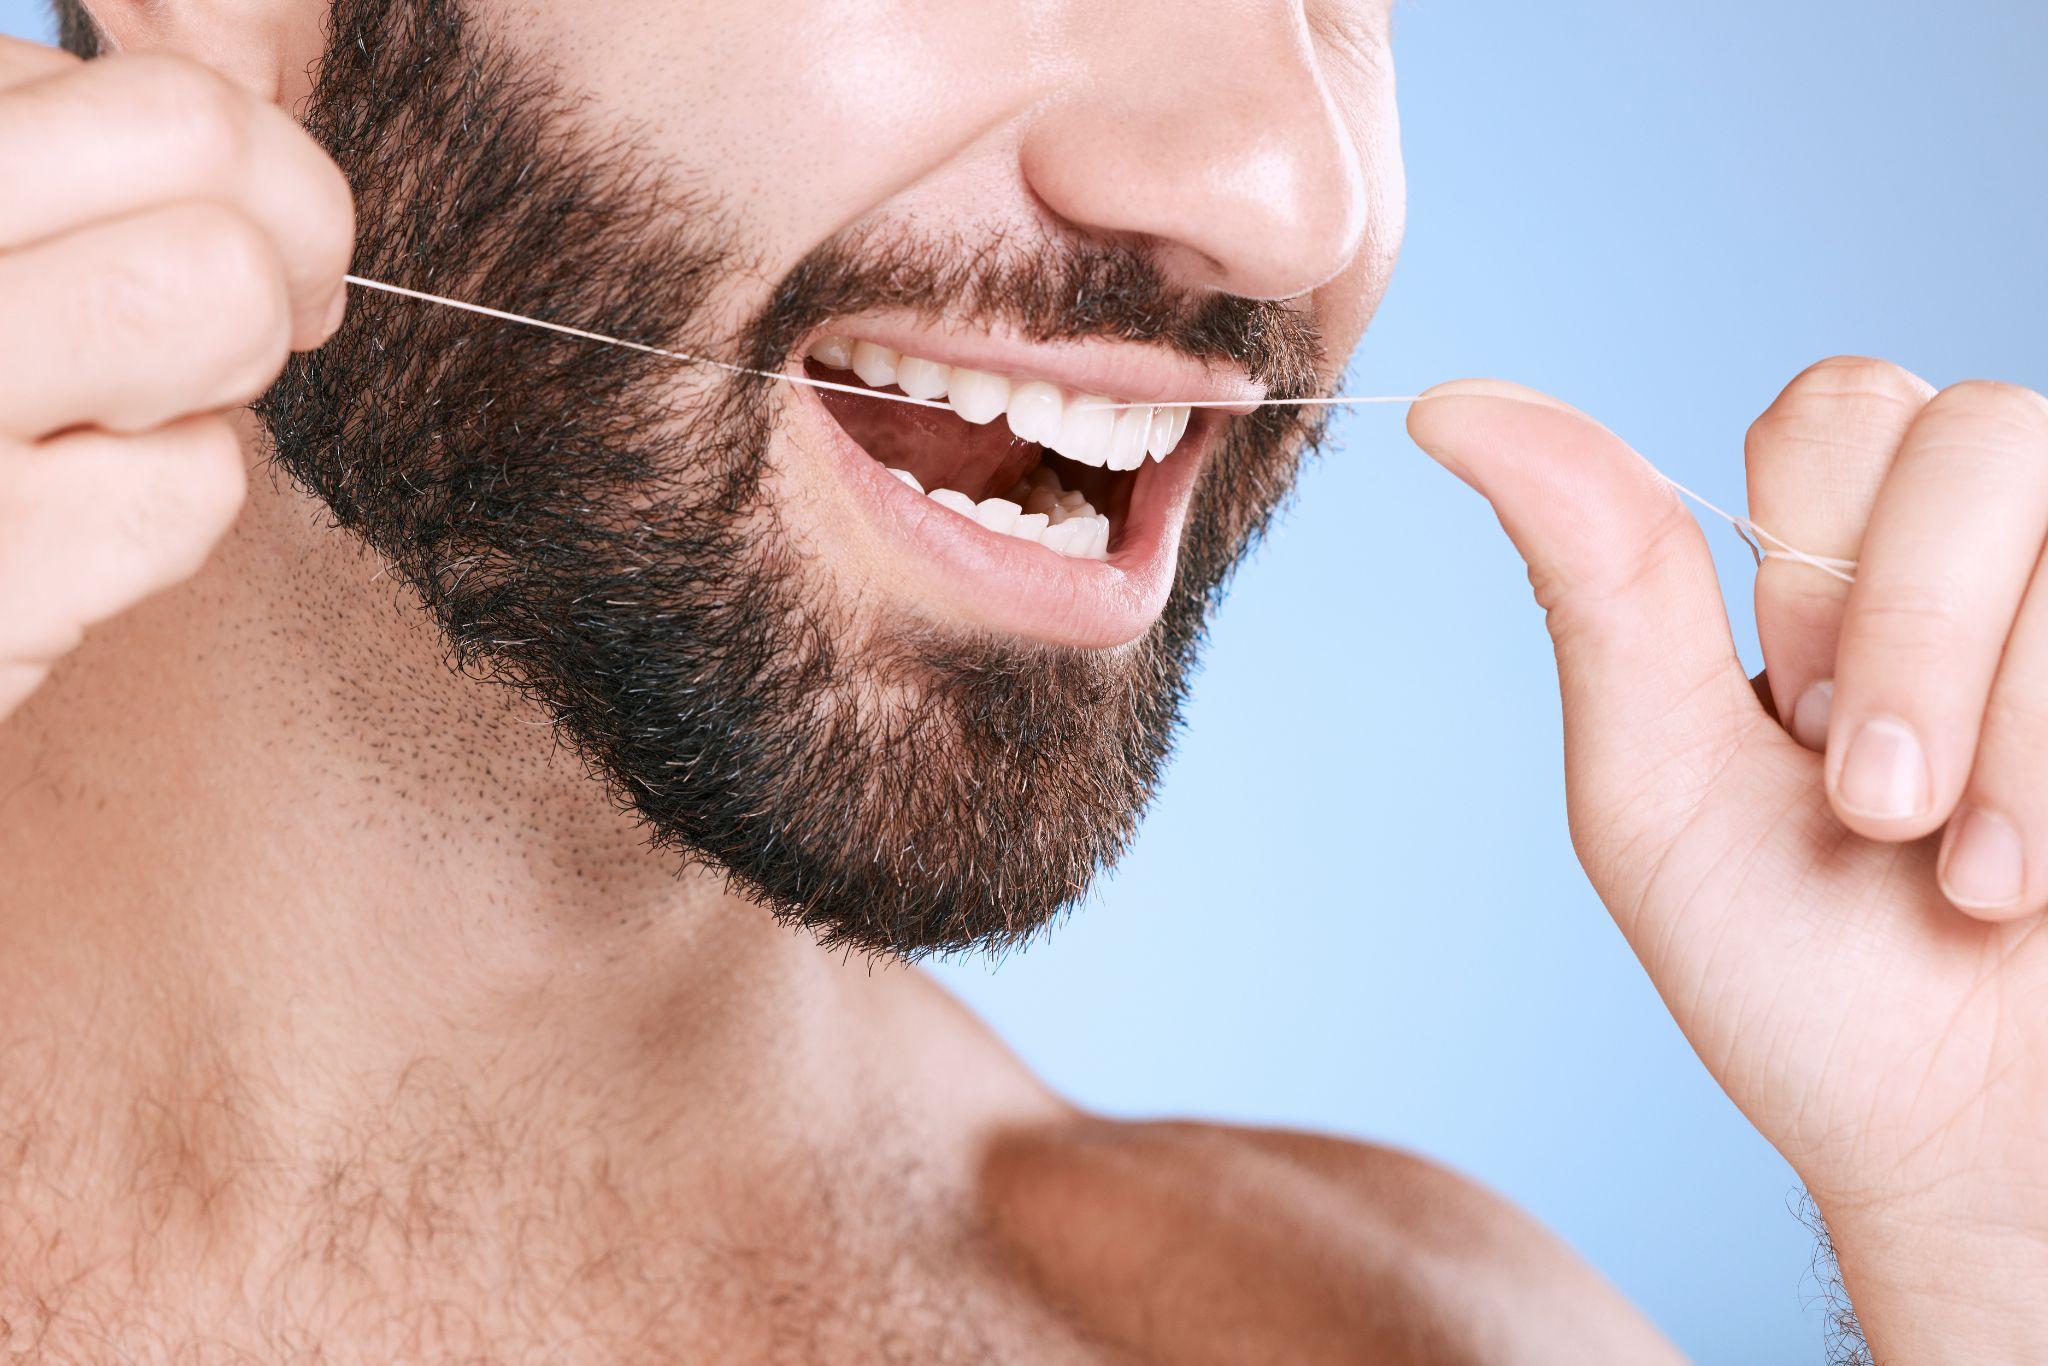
[1761, 542]
[601, 338]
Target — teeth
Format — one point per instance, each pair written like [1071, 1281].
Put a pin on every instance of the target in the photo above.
[1066, 525]
[953, 500]
[1085, 434]
[1082, 538]
[834, 353]
[1127, 441]
[1060, 537]
[876, 365]
[978, 397]
[997, 514]
[923, 378]
[1082, 427]
[1036, 411]
[1168, 426]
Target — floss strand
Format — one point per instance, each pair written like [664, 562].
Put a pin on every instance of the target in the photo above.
[1766, 545]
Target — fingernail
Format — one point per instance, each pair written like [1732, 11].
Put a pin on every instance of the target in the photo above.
[1810, 715]
[1984, 868]
[1884, 774]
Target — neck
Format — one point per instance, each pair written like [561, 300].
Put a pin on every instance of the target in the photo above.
[281, 890]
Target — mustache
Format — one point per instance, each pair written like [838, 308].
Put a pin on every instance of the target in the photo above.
[1048, 290]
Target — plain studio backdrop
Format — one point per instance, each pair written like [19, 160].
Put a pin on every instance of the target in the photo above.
[1355, 907]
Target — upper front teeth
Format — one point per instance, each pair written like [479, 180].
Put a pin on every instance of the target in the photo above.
[1082, 427]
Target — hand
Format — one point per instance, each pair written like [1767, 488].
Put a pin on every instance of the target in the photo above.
[165, 240]
[1841, 911]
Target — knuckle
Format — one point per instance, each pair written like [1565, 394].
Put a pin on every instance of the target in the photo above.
[1861, 378]
[212, 481]
[1846, 381]
[1839, 406]
[197, 491]
[1914, 620]
[1993, 409]
[189, 108]
[229, 269]
[198, 291]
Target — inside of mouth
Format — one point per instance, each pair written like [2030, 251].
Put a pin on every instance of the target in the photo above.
[942, 450]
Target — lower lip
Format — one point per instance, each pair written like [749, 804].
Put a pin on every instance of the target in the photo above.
[1012, 587]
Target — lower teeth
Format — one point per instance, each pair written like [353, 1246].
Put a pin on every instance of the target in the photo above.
[1038, 510]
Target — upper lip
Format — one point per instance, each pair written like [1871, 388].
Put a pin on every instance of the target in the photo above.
[1126, 372]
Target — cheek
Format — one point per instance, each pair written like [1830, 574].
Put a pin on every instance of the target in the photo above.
[792, 116]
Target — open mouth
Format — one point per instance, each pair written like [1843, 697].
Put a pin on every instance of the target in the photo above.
[1019, 457]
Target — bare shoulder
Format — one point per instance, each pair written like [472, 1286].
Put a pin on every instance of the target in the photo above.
[1200, 1243]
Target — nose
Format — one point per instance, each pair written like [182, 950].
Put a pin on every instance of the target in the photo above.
[1207, 128]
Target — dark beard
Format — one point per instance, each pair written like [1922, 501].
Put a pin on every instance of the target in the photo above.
[583, 533]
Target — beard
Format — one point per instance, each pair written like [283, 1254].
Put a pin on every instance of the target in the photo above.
[588, 524]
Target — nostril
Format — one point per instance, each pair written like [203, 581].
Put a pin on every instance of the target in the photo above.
[1237, 166]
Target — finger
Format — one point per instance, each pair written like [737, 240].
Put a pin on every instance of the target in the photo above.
[1816, 458]
[1994, 855]
[1952, 542]
[1647, 667]
[129, 133]
[22, 61]
[129, 324]
[91, 524]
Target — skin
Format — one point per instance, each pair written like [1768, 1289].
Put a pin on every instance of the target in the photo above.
[342, 1013]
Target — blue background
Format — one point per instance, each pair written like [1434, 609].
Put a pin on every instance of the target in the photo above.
[1355, 908]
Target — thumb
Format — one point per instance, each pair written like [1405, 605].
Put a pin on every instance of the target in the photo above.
[1655, 699]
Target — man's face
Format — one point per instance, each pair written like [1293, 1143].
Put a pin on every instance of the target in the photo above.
[912, 709]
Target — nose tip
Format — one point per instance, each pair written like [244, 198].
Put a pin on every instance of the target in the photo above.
[1276, 217]
[1225, 151]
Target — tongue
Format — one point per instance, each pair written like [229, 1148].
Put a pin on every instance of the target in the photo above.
[941, 449]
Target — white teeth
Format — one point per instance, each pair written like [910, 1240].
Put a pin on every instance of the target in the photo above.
[1041, 498]
[1061, 536]
[1087, 428]
[1036, 410]
[923, 378]
[1168, 426]
[953, 500]
[1079, 532]
[876, 365]
[834, 353]
[1085, 434]
[997, 514]
[907, 477]
[1084, 538]
[978, 396]
[1127, 442]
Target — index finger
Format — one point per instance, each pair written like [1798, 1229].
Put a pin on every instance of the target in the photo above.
[105, 139]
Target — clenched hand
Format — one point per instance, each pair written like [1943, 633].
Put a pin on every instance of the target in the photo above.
[165, 240]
